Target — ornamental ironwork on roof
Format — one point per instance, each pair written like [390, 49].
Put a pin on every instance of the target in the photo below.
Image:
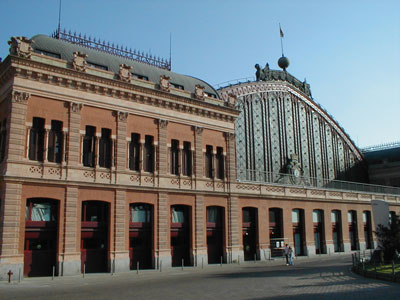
[381, 147]
[112, 48]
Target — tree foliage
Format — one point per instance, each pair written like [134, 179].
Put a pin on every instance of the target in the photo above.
[389, 239]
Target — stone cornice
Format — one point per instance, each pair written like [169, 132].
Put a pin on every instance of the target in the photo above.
[362, 198]
[70, 78]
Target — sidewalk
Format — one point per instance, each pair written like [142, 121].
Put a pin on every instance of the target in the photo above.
[156, 274]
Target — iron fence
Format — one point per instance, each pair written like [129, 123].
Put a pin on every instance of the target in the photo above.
[256, 176]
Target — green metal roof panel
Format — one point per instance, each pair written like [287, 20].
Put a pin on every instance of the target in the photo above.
[112, 62]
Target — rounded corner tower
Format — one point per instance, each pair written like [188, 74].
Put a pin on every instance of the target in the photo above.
[281, 130]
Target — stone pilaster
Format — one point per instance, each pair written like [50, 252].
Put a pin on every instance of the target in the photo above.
[162, 144]
[263, 234]
[70, 262]
[16, 141]
[328, 232]
[231, 156]
[198, 152]
[346, 247]
[10, 226]
[360, 230]
[200, 247]
[309, 232]
[164, 251]
[288, 226]
[74, 139]
[234, 223]
[121, 154]
[120, 262]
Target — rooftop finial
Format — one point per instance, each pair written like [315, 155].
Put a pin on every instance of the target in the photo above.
[283, 62]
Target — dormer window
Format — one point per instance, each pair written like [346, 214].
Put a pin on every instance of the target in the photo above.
[211, 95]
[177, 86]
[96, 66]
[47, 53]
[141, 77]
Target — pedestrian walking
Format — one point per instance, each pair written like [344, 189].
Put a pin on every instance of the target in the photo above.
[290, 256]
[287, 254]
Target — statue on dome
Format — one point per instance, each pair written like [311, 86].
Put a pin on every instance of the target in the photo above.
[262, 74]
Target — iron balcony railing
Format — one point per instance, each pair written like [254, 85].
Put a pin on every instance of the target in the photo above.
[255, 176]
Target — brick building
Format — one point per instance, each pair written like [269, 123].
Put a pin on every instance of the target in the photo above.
[110, 162]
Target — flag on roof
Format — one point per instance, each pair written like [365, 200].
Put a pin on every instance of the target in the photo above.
[281, 32]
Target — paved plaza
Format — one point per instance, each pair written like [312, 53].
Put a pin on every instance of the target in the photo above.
[311, 278]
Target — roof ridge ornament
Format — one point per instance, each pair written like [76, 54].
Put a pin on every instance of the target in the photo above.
[113, 49]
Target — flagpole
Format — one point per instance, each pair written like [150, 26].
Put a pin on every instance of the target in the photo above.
[281, 35]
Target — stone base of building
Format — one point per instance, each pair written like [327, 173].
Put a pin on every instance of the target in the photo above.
[16, 269]
[200, 257]
[346, 247]
[264, 254]
[362, 246]
[236, 256]
[330, 249]
[67, 268]
[120, 264]
[164, 260]
[310, 250]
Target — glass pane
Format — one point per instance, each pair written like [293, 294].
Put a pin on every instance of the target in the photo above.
[140, 214]
[333, 217]
[349, 217]
[178, 215]
[41, 212]
[295, 216]
[212, 214]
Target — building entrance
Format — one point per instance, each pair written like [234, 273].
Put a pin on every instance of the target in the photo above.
[40, 250]
[249, 230]
[215, 234]
[141, 236]
[180, 235]
[94, 236]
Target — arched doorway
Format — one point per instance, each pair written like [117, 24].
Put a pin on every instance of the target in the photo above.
[40, 249]
[249, 230]
[180, 235]
[277, 242]
[94, 236]
[319, 236]
[141, 236]
[298, 230]
[215, 234]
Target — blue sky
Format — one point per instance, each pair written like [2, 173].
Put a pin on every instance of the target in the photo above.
[349, 51]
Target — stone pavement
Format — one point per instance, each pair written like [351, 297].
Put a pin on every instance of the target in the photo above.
[327, 277]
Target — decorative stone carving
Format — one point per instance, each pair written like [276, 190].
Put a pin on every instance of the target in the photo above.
[76, 107]
[20, 46]
[164, 83]
[79, 62]
[122, 116]
[229, 136]
[199, 92]
[163, 123]
[198, 130]
[231, 101]
[20, 97]
[262, 74]
[125, 72]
